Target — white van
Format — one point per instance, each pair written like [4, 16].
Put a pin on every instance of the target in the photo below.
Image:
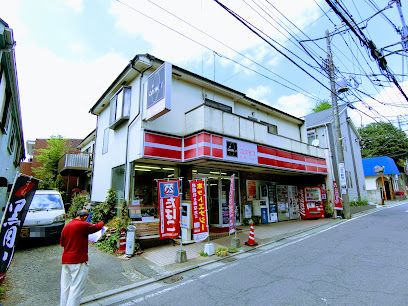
[45, 216]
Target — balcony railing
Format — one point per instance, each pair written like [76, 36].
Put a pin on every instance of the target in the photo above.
[79, 162]
[227, 124]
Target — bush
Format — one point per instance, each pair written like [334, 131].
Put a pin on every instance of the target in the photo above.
[78, 202]
[106, 210]
[359, 203]
[203, 254]
[221, 251]
[109, 241]
[328, 210]
[232, 250]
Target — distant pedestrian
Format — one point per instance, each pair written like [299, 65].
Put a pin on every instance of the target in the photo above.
[74, 240]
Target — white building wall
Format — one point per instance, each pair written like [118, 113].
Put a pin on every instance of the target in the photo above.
[370, 182]
[285, 128]
[185, 97]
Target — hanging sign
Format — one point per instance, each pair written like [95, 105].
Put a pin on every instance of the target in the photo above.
[169, 208]
[231, 205]
[337, 199]
[199, 206]
[14, 215]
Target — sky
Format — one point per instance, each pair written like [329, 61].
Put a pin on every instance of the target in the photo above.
[69, 51]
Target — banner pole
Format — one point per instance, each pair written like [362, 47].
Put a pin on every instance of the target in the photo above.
[181, 209]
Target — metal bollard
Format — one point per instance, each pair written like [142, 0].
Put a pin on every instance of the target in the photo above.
[130, 240]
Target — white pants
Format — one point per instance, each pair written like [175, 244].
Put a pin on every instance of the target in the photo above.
[73, 278]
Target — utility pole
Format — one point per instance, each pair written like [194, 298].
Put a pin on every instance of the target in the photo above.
[341, 178]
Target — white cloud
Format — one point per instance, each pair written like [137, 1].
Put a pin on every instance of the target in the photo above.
[393, 104]
[56, 94]
[297, 105]
[209, 17]
[259, 93]
[76, 5]
[76, 47]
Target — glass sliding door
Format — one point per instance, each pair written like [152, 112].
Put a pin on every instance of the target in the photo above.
[212, 200]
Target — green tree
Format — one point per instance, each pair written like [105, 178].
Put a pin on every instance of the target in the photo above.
[321, 106]
[384, 139]
[48, 158]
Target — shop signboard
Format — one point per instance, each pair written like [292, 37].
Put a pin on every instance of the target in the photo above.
[199, 205]
[159, 92]
[240, 151]
[169, 208]
[14, 215]
[231, 205]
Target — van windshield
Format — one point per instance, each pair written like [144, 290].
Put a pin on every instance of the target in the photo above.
[46, 201]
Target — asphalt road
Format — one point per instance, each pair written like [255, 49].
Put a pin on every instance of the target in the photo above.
[359, 262]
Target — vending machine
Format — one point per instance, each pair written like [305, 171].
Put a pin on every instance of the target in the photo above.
[310, 201]
[283, 202]
[273, 206]
[293, 203]
[263, 188]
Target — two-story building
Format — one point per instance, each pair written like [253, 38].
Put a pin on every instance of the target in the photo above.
[11, 130]
[158, 121]
[321, 133]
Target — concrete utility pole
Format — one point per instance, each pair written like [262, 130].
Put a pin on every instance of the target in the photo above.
[341, 173]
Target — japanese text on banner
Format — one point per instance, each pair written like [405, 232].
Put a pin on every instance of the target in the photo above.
[169, 206]
[14, 215]
[231, 205]
[199, 207]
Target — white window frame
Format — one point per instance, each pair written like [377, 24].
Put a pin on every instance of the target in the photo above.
[120, 107]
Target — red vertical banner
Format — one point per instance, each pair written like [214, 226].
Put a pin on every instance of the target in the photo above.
[169, 208]
[231, 205]
[199, 210]
[336, 197]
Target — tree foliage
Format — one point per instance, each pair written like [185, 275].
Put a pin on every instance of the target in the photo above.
[384, 139]
[321, 106]
[48, 158]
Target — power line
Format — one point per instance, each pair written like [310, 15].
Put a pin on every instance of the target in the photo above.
[308, 94]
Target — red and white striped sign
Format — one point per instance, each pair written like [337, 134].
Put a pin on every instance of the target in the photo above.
[207, 145]
[163, 146]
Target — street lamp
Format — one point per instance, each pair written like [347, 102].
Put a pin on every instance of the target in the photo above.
[380, 171]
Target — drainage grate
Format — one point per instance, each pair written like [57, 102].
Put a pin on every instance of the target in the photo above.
[173, 279]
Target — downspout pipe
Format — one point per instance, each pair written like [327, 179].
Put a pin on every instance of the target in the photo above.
[130, 124]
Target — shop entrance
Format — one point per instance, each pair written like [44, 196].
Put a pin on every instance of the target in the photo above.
[218, 187]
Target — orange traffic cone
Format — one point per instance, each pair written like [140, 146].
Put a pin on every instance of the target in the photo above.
[122, 242]
[251, 238]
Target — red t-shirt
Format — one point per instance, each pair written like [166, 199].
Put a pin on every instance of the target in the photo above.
[74, 240]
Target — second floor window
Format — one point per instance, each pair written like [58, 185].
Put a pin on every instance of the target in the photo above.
[119, 107]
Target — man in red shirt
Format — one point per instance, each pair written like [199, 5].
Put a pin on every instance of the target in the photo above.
[74, 240]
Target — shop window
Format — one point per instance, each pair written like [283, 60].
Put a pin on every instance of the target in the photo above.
[272, 128]
[118, 182]
[119, 107]
[144, 204]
